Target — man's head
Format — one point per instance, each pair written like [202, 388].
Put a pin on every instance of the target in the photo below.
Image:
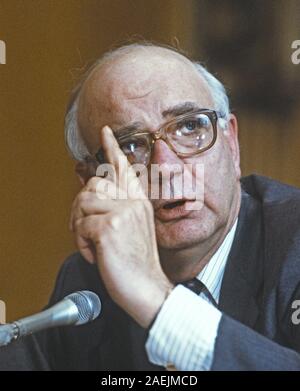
[142, 85]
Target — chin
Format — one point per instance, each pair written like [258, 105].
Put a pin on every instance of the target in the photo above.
[182, 234]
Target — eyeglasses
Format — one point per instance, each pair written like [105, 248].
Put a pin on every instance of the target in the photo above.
[186, 135]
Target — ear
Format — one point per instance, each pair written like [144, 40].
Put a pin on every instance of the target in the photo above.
[231, 133]
[84, 171]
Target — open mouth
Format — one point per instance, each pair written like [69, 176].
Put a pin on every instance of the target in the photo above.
[175, 209]
[174, 204]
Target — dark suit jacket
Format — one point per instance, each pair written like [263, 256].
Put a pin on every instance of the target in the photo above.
[256, 332]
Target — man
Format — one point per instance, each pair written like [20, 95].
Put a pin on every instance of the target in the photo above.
[240, 249]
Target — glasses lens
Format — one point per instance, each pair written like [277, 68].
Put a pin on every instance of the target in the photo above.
[136, 148]
[191, 134]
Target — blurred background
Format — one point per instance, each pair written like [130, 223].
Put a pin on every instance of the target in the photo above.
[49, 43]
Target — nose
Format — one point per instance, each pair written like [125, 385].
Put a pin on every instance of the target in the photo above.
[166, 170]
[162, 153]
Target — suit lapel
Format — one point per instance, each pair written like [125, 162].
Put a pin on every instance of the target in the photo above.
[242, 282]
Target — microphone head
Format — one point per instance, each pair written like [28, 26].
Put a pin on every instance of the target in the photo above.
[88, 305]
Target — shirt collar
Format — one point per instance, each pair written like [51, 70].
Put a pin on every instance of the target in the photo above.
[212, 274]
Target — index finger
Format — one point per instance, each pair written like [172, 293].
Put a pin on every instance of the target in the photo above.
[115, 156]
[110, 147]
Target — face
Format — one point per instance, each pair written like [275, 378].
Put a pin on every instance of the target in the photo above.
[144, 89]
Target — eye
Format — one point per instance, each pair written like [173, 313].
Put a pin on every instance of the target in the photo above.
[129, 147]
[188, 127]
[191, 126]
[132, 145]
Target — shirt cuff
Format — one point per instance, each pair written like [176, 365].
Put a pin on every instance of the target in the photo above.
[184, 332]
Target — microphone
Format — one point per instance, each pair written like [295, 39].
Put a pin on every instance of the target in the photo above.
[75, 309]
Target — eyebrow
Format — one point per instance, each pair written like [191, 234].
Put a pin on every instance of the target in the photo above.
[134, 127]
[181, 108]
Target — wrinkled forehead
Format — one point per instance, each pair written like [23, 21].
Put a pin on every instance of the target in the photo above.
[137, 83]
[138, 70]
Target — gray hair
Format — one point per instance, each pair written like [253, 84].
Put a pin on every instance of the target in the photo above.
[73, 138]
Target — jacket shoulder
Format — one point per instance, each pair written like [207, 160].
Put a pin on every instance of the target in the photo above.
[268, 190]
[280, 207]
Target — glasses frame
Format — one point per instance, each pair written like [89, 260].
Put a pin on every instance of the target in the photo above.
[162, 133]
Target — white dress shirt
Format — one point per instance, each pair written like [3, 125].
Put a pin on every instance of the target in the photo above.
[184, 332]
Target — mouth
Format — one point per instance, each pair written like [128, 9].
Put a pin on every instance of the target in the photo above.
[173, 209]
[174, 204]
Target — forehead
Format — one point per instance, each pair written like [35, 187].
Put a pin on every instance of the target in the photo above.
[139, 86]
[136, 74]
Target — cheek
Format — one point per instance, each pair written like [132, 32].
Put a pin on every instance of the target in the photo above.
[187, 232]
[218, 175]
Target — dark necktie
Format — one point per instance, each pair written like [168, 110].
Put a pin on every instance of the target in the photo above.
[194, 285]
[197, 287]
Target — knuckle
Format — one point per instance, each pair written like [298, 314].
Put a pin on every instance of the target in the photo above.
[83, 197]
[112, 218]
[92, 183]
[77, 225]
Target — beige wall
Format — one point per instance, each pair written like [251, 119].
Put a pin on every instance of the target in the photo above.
[271, 146]
[48, 43]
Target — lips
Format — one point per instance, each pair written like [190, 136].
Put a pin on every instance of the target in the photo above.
[173, 209]
[173, 204]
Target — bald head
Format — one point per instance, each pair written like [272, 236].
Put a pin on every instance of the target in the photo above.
[147, 78]
[127, 74]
